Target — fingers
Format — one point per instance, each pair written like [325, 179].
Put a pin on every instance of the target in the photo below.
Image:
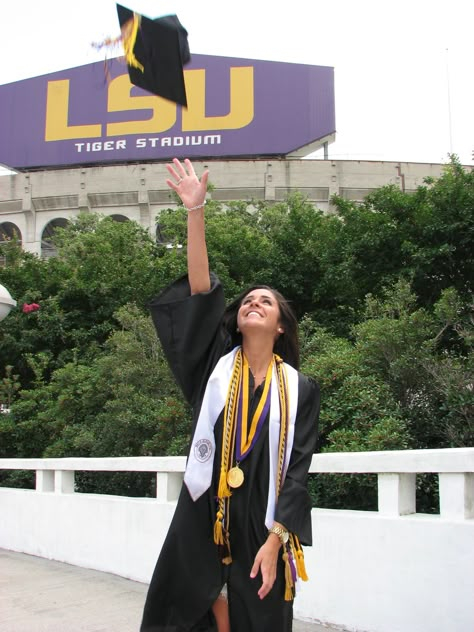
[179, 167]
[268, 571]
[268, 579]
[264, 590]
[189, 166]
[255, 568]
[178, 173]
[204, 178]
[172, 185]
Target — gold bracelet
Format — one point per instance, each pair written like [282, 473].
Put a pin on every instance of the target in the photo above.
[280, 532]
[195, 208]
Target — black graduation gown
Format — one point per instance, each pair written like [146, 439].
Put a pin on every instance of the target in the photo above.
[189, 575]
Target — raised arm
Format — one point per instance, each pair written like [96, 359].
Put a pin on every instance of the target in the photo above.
[192, 192]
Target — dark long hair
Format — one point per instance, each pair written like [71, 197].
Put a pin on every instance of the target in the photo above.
[286, 345]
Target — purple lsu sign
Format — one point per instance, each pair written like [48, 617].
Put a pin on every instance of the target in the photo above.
[93, 114]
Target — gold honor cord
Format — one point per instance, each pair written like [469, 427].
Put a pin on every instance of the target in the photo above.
[284, 421]
[247, 440]
[228, 431]
[293, 556]
[221, 524]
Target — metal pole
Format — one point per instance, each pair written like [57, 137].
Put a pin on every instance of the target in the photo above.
[449, 104]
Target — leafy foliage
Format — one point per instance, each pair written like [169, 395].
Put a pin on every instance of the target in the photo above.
[383, 291]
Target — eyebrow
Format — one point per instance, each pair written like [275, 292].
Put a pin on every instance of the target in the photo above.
[261, 296]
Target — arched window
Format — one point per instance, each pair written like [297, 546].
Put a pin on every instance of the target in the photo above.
[9, 231]
[48, 249]
[119, 218]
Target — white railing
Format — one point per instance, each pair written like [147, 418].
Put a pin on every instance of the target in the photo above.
[381, 571]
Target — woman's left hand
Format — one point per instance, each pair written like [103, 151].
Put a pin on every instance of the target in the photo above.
[266, 561]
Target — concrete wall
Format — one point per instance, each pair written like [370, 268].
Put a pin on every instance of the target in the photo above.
[388, 571]
[31, 200]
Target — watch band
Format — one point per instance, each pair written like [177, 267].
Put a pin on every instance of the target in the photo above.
[280, 532]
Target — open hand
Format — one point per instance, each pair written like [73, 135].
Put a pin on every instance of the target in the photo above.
[185, 182]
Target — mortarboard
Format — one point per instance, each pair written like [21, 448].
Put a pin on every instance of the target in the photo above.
[155, 51]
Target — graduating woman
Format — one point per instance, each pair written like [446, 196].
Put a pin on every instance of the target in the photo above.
[233, 555]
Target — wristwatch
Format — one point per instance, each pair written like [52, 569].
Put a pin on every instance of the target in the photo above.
[280, 532]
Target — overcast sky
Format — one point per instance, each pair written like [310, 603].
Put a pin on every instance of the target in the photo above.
[404, 71]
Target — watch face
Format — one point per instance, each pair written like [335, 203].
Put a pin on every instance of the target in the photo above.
[285, 536]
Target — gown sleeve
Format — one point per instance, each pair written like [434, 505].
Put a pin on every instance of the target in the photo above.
[190, 331]
[293, 509]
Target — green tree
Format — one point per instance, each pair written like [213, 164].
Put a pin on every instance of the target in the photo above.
[426, 236]
[383, 290]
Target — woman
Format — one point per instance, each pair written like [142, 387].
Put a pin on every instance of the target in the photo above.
[232, 554]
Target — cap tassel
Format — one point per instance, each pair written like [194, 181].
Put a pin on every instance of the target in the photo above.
[129, 39]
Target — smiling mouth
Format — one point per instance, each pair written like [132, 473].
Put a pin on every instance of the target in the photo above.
[254, 312]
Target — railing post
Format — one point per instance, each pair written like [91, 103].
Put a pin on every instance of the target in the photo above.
[64, 481]
[456, 495]
[397, 494]
[45, 480]
[168, 485]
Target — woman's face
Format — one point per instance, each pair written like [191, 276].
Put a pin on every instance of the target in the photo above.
[259, 310]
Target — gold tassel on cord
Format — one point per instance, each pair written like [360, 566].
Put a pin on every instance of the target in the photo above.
[223, 490]
[300, 566]
[299, 557]
[218, 535]
[228, 558]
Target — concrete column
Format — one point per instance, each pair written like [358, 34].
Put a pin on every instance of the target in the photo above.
[64, 482]
[269, 184]
[83, 197]
[45, 480]
[168, 485]
[456, 495]
[397, 494]
[34, 247]
[333, 185]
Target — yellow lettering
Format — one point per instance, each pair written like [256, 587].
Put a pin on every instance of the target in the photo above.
[57, 114]
[241, 101]
[163, 112]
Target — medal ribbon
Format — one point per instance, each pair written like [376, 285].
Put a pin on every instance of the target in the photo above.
[246, 438]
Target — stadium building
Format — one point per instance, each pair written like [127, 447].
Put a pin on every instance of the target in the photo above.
[86, 140]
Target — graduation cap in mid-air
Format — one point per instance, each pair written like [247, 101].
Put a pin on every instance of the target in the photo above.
[155, 51]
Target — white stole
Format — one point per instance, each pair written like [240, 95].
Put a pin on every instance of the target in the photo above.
[198, 474]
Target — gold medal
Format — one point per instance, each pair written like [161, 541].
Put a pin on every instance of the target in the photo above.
[235, 477]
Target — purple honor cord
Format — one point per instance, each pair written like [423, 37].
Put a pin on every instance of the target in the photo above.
[239, 456]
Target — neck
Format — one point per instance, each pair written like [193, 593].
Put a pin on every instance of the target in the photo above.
[259, 355]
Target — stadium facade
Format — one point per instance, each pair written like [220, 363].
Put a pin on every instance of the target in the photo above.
[86, 140]
[33, 203]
